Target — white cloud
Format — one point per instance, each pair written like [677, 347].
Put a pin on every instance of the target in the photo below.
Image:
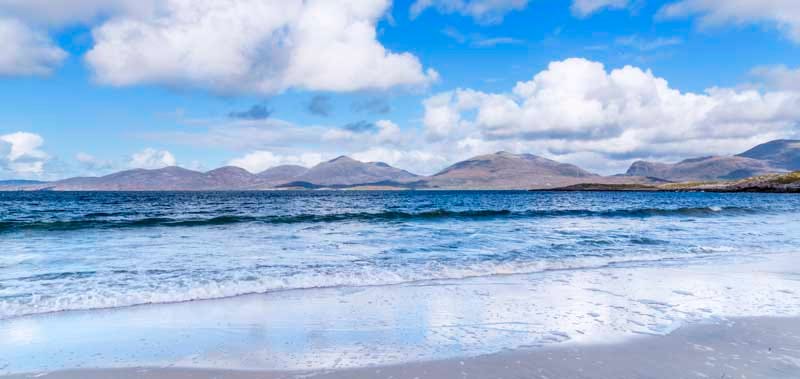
[150, 158]
[493, 11]
[254, 46]
[384, 132]
[482, 11]
[414, 160]
[230, 46]
[577, 106]
[574, 111]
[785, 14]
[26, 51]
[258, 161]
[778, 77]
[93, 164]
[20, 153]
[584, 8]
[57, 13]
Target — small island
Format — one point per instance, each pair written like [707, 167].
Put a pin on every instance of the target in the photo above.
[773, 183]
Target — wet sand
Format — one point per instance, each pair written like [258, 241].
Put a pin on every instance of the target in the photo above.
[736, 348]
[735, 316]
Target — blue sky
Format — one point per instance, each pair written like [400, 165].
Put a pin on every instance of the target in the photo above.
[98, 86]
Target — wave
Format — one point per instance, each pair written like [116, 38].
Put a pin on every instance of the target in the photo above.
[156, 290]
[95, 221]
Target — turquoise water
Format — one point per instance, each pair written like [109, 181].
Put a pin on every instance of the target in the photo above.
[74, 251]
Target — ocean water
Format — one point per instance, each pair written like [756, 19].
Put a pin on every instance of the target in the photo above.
[81, 251]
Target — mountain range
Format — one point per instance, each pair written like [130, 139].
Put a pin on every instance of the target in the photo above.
[501, 170]
[771, 157]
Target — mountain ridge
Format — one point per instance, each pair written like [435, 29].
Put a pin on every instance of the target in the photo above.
[773, 157]
[501, 170]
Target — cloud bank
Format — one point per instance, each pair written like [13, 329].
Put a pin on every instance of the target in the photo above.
[577, 106]
[575, 110]
[21, 155]
[150, 158]
[784, 14]
[27, 51]
[227, 46]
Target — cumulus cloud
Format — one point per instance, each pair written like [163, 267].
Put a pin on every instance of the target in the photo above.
[482, 11]
[785, 14]
[27, 51]
[778, 77]
[20, 153]
[577, 106]
[254, 46]
[150, 158]
[229, 46]
[65, 13]
[575, 111]
[24, 27]
[258, 161]
[584, 8]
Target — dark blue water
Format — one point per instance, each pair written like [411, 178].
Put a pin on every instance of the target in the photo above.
[64, 251]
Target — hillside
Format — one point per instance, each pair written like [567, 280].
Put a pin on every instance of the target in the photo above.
[347, 171]
[503, 170]
[783, 153]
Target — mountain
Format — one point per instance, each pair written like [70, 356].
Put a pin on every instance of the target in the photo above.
[342, 171]
[162, 179]
[503, 170]
[347, 171]
[167, 179]
[281, 174]
[781, 153]
[227, 177]
[705, 168]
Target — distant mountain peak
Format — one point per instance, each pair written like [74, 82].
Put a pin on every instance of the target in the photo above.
[342, 158]
[782, 153]
[499, 170]
[703, 168]
[227, 169]
[347, 171]
[508, 170]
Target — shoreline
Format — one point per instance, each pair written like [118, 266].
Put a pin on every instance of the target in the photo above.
[417, 326]
[753, 347]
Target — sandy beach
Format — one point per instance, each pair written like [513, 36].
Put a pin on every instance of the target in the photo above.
[737, 348]
[735, 317]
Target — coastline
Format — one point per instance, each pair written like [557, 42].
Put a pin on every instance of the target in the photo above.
[756, 347]
[560, 321]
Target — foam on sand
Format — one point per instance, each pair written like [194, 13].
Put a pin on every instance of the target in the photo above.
[351, 327]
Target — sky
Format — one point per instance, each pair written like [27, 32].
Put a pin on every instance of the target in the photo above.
[89, 87]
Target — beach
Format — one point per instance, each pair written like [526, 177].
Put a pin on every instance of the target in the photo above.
[736, 348]
[736, 318]
[400, 189]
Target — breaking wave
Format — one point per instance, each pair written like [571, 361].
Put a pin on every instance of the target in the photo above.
[100, 221]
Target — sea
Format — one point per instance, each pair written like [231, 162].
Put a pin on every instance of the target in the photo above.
[99, 250]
